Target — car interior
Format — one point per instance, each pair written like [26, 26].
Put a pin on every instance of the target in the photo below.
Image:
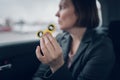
[19, 62]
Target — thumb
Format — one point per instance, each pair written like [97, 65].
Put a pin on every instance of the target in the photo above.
[38, 52]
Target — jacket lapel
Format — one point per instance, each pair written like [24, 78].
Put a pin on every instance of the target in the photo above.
[80, 52]
[66, 45]
[83, 46]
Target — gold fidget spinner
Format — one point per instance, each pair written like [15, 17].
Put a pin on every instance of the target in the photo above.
[51, 29]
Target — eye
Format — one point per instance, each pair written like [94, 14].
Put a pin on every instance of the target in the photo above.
[62, 7]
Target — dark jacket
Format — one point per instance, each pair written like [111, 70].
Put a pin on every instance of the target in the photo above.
[94, 58]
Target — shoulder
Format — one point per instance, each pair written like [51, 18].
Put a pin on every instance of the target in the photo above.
[100, 36]
[102, 46]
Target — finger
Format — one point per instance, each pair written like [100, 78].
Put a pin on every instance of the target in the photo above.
[41, 58]
[38, 54]
[43, 47]
[48, 44]
[41, 51]
[53, 41]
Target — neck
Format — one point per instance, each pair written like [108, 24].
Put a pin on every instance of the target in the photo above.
[77, 33]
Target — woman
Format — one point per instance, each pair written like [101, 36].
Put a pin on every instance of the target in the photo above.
[81, 52]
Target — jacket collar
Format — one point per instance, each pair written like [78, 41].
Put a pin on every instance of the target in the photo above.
[66, 44]
[87, 37]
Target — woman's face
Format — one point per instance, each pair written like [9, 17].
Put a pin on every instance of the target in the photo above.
[66, 15]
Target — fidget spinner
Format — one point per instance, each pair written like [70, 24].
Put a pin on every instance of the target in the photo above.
[50, 29]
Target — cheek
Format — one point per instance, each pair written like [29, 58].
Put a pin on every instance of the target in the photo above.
[68, 20]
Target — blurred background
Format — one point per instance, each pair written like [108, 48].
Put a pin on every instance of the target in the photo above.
[21, 19]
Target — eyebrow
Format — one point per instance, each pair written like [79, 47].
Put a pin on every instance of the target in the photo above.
[63, 3]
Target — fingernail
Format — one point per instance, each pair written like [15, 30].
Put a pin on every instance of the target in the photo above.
[48, 34]
[37, 47]
[40, 38]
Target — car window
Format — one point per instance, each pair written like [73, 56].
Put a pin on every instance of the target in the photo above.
[21, 19]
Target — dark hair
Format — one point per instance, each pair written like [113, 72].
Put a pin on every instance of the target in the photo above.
[87, 13]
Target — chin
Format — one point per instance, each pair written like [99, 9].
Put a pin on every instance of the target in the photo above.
[62, 27]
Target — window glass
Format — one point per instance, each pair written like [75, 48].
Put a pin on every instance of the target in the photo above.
[21, 19]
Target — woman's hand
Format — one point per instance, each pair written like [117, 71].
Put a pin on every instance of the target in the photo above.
[52, 52]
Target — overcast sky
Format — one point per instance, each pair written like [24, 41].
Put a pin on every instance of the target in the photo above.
[29, 10]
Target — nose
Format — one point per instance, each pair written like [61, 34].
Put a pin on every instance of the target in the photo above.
[57, 14]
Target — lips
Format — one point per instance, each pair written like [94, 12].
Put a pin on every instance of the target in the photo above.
[59, 21]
